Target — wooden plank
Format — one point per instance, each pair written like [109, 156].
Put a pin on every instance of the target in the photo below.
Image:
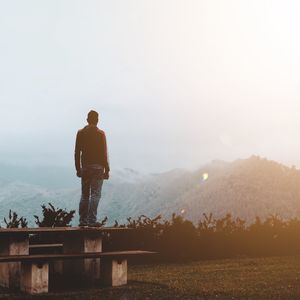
[49, 257]
[59, 229]
[42, 246]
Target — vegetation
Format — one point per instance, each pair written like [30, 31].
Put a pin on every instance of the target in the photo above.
[179, 239]
[54, 217]
[14, 222]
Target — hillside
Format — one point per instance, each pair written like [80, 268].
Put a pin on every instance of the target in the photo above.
[246, 188]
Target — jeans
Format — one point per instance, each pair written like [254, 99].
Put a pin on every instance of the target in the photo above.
[91, 186]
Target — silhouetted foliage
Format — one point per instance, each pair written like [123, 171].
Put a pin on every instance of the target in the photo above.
[15, 222]
[179, 239]
[102, 222]
[54, 217]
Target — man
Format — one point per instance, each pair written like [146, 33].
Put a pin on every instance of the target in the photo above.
[91, 162]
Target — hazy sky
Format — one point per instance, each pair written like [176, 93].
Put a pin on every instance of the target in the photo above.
[176, 83]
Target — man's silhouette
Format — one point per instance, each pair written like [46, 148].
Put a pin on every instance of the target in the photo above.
[91, 162]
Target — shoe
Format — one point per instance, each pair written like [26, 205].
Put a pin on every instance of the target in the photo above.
[95, 224]
[83, 224]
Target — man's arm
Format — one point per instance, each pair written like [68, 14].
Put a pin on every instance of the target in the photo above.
[106, 163]
[77, 155]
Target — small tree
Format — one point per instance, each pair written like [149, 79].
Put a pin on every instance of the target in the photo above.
[54, 217]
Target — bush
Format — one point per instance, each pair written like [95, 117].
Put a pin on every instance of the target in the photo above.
[180, 240]
[54, 217]
[15, 222]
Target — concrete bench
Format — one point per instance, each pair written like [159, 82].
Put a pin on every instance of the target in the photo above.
[16, 241]
[35, 268]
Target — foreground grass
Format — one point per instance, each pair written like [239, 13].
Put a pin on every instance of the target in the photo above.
[261, 278]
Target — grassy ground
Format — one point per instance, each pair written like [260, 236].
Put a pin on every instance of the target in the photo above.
[262, 278]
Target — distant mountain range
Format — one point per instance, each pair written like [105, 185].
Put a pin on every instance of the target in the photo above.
[246, 188]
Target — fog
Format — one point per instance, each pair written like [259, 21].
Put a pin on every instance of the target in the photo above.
[176, 83]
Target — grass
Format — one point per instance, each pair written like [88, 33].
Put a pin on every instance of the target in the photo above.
[244, 278]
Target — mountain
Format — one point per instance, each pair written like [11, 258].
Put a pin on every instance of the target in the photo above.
[246, 188]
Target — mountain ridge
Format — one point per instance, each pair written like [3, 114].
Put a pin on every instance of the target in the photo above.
[246, 188]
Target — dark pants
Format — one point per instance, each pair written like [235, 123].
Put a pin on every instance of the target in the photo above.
[91, 186]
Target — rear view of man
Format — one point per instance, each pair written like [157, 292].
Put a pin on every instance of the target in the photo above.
[91, 162]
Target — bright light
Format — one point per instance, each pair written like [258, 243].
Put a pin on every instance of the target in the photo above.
[204, 176]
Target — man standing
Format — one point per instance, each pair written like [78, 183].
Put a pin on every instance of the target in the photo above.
[91, 162]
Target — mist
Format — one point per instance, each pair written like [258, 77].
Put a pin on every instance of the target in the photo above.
[176, 83]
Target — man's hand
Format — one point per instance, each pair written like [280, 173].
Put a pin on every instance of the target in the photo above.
[78, 173]
[106, 175]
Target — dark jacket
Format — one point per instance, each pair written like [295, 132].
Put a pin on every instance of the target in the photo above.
[91, 148]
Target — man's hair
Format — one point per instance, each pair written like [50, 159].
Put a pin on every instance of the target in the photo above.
[92, 117]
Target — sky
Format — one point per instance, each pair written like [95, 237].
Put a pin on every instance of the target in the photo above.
[176, 83]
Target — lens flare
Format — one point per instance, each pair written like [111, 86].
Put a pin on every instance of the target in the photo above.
[204, 176]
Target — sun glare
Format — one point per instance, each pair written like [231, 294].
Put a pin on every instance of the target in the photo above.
[204, 176]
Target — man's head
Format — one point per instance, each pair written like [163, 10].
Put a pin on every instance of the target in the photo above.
[92, 118]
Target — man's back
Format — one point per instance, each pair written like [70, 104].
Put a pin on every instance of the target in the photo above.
[91, 144]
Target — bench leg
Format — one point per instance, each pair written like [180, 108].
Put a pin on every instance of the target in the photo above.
[87, 268]
[56, 267]
[113, 271]
[34, 278]
[10, 272]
